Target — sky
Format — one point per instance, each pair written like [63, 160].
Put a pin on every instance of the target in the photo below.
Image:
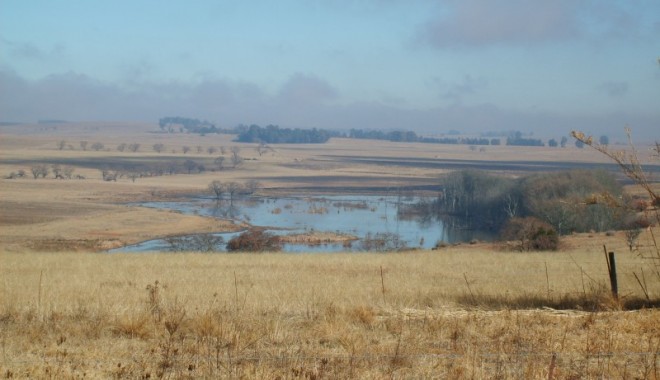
[539, 66]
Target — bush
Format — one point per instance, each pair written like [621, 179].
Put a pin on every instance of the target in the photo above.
[255, 241]
[199, 243]
[531, 234]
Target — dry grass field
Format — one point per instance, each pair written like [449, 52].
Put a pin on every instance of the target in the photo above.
[68, 310]
[457, 313]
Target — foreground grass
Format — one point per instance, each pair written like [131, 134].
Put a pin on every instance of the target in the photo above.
[448, 314]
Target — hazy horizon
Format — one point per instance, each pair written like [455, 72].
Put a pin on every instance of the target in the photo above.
[429, 66]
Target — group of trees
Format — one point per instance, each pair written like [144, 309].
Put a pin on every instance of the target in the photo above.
[273, 134]
[43, 170]
[514, 138]
[154, 169]
[232, 189]
[172, 124]
[97, 146]
[517, 139]
[571, 201]
[409, 136]
[234, 152]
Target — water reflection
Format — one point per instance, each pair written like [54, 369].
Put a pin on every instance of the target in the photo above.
[225, 210]
[378, 221]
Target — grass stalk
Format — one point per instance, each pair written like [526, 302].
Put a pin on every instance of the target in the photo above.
[474, 300]
[41, 275]
[382, 284]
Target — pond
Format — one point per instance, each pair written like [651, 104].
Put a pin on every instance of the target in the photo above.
[365, 217]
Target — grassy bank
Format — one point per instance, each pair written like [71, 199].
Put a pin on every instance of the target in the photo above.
[446, 314]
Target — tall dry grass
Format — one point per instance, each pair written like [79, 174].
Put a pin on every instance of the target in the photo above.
[445, 314]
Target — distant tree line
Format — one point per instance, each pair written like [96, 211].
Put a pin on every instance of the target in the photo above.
[174, 124]
[43, 170]
[409, 136]
[273, 134]
[155, 169]
[517, 139]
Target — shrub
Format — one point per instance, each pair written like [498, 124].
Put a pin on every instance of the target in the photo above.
[382, 242]
[255, 240]
[531, 234]
[200, 243]
[639, 204]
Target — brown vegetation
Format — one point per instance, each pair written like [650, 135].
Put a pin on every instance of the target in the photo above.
[452, 314]
[255, 240]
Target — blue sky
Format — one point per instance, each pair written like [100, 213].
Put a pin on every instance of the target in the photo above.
[426, 65]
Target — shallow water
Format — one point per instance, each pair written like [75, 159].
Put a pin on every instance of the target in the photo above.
[358, 215]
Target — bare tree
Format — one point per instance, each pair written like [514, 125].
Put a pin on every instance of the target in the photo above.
[134, 147]
[133, 175]
[211, 149]
[67, 172]
[219, 161]
[83, 145]
[236, 158]
[18, 174]
[511, 205]
[39, 171]
[61, 145]
[263, 148]
[109, 175]
[199, 149]
[121, 147]
[171, 167]
[217, 188]
[97, 146]
[57, 171]
[185, 149]
[190, 165]
[158, 148]
[233, 189]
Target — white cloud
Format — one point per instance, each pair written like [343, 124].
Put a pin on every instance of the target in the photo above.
[304, 101]
[486, 22]
[456, 91]
[304, 88]
[479, 23]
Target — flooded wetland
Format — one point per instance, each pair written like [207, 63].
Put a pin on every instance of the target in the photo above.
[354, 222]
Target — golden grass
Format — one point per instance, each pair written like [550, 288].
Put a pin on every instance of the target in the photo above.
[320, 316]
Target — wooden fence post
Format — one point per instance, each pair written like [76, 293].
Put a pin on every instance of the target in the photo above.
[611, 270]
[613, 281]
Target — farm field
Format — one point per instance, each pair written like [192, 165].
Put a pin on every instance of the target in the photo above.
[67, 309]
